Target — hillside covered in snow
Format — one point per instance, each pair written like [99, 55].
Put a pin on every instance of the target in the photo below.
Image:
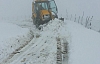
[83, 43]
[22, 43]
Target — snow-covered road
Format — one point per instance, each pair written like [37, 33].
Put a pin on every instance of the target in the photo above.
[12, 37]
[37, 51]
[82, 44]
[42, 49]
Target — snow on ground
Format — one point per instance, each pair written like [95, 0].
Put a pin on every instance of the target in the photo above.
[43, 47]
[95, 25]
[11, 38]
[39, 51]
[55, 28]
[73, 10]
[84, 46]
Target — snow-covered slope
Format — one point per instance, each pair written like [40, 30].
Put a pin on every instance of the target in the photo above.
[12, 37]
[43, 46]
[73, 10]
[84, 45]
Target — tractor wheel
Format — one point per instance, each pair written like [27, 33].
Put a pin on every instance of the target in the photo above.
[37, 23]
[34, 20]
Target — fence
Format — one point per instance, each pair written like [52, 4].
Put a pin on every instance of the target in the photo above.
[86, 21]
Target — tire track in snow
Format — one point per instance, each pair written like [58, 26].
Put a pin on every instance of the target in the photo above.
[62, 51]
[16, 51]
[19, 51]
[36, 50]
[46, 53]
[52, 56]
[59, 53]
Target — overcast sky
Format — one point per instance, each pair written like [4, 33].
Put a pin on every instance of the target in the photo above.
[23, 7]
[15, 7]
[90, 7]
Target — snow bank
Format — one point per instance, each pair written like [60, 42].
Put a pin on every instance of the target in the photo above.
[51, 31]
[84, 45]
[11, 38]
[45, 42]
[55, 28]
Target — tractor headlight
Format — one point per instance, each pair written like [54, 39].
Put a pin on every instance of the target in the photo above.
[46, 16]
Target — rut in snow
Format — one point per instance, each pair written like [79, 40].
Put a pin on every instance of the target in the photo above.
[62, 51]
[17, 50]
[59, 54]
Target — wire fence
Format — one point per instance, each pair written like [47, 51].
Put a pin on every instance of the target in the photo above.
[87, 21]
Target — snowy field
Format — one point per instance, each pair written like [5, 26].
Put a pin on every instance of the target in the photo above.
[22, 43]
[83, 46]
[43, 46]
[12, 37]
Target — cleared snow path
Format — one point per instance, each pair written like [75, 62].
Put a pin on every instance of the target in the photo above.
[42, 49]
[38, 48]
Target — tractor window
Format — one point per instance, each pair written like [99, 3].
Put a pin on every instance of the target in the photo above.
[45, 6]
[36, 6]
[42, 6]
[53, 6]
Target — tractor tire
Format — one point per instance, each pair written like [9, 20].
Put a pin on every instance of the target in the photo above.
[34, 20]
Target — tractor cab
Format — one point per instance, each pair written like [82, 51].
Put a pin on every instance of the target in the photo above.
[42, 8]
[43, 11]
[42, 5]
[46, 5]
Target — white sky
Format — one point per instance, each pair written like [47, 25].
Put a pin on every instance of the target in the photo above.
[90, 7]
[15, 8]
[9, 8]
